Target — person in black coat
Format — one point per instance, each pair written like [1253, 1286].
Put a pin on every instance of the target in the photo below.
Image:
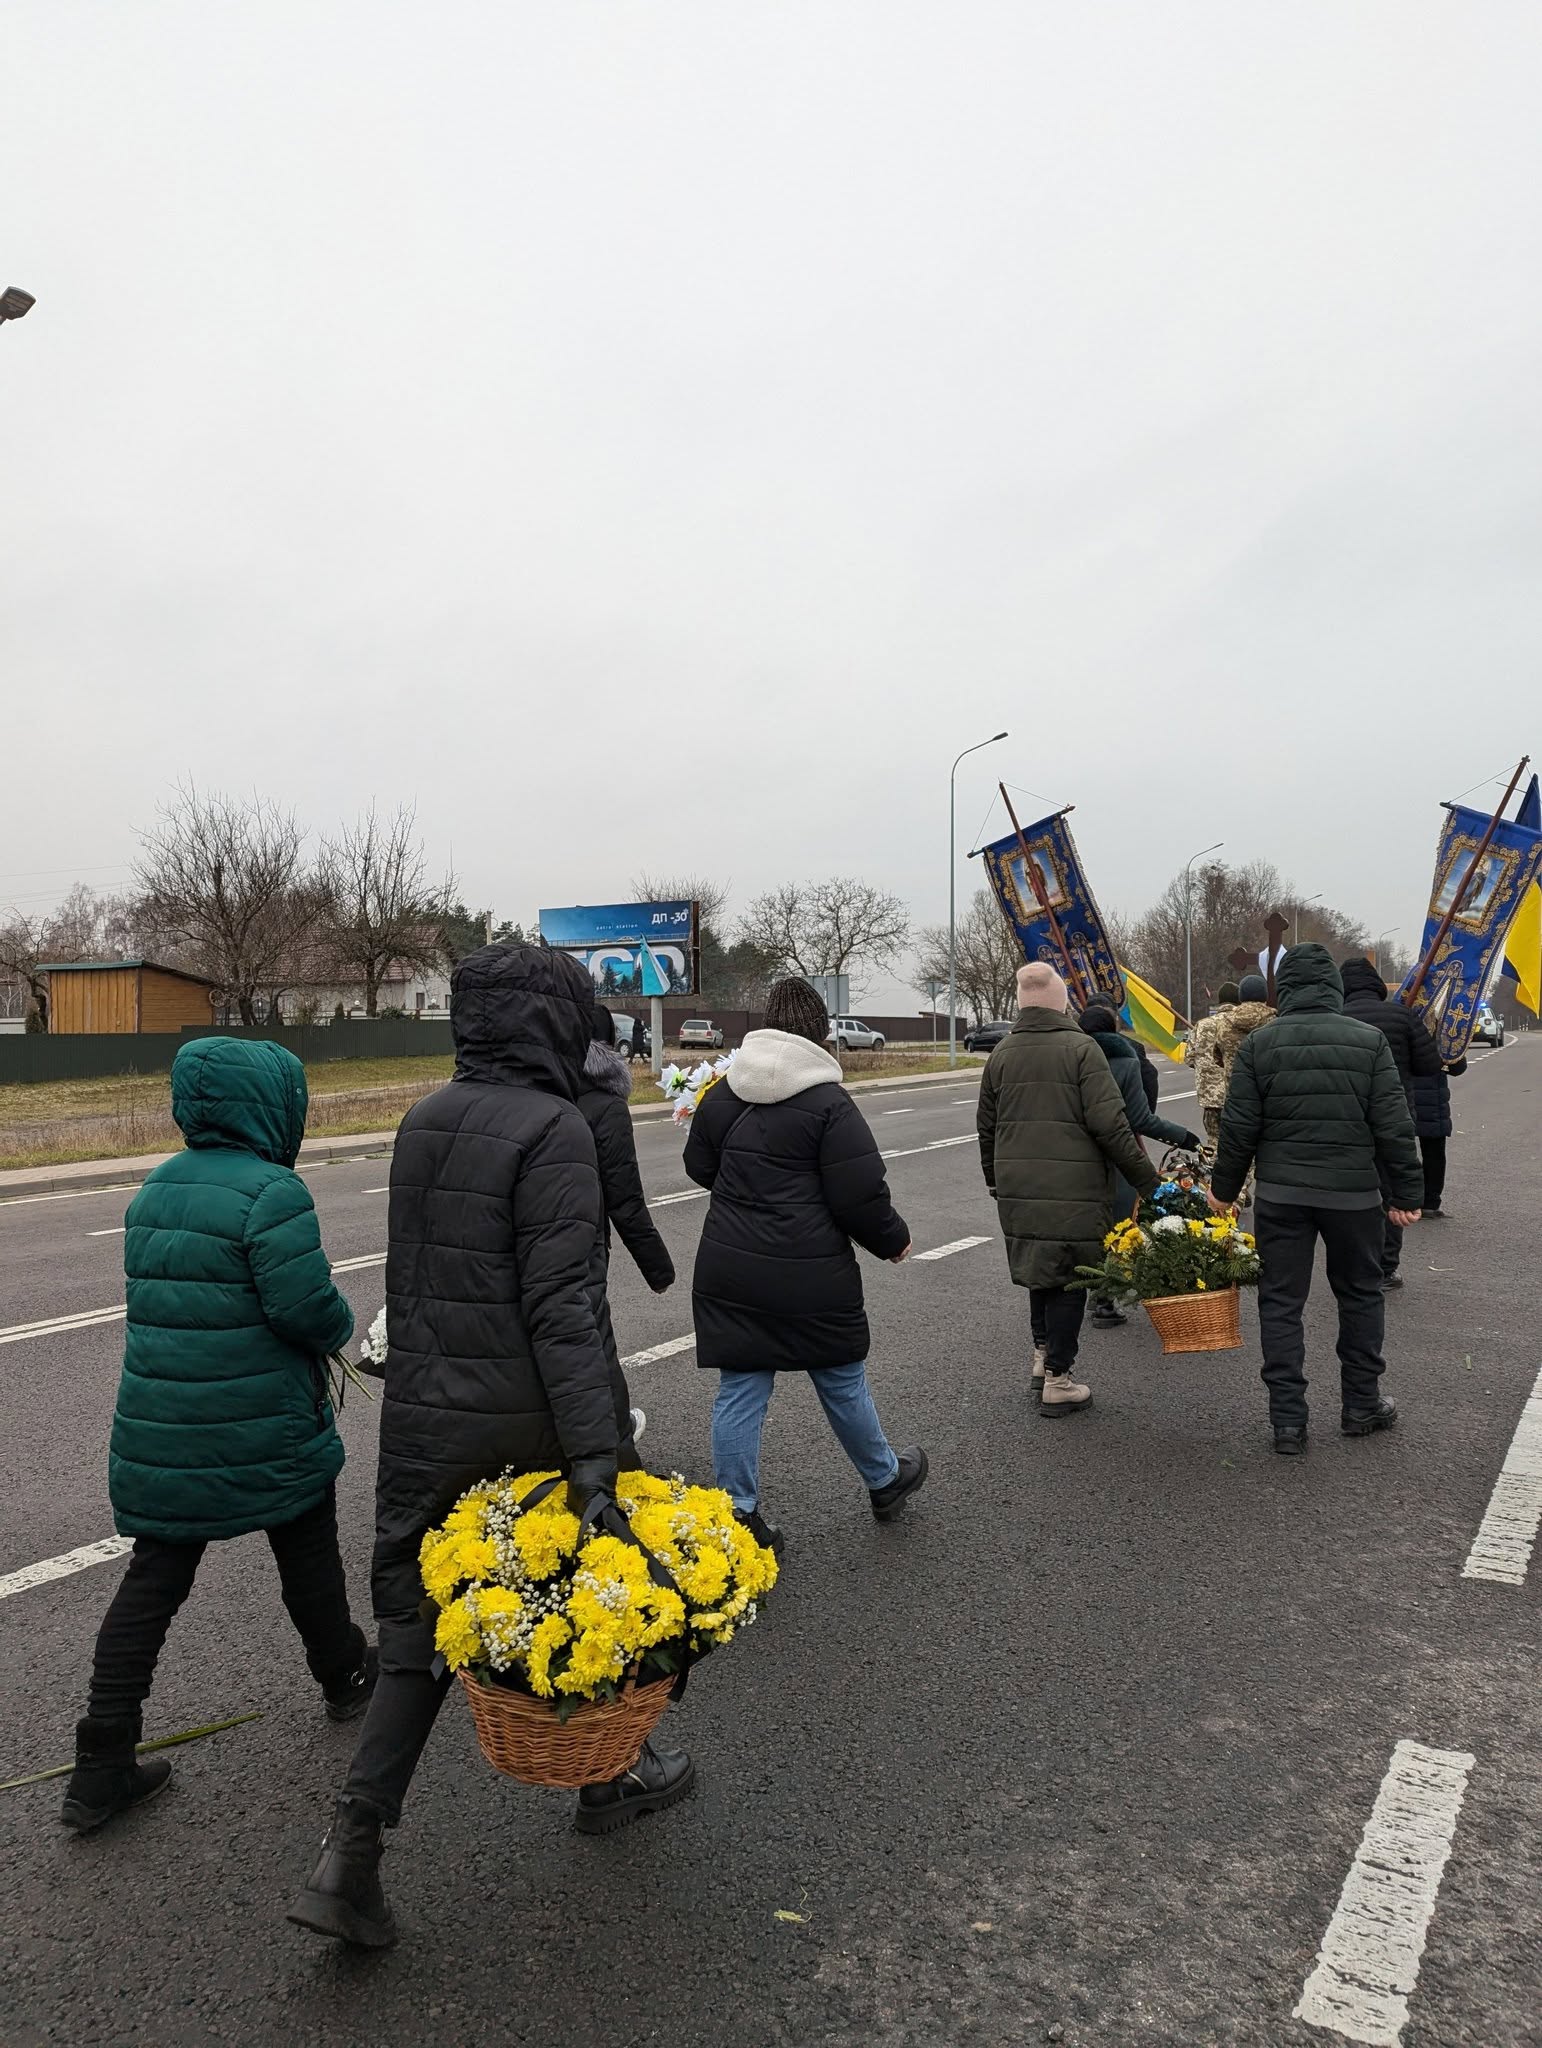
[495, 1285]
[796, 1181]
[603, 1091]
[1430, 1098]
[1414, 1052]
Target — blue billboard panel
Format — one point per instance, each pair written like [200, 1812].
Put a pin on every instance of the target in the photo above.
[609, 939]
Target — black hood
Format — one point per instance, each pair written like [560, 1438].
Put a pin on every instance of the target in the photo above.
[521, 1015]
[1361, 979]
[1308, 980]
[1114, 1047]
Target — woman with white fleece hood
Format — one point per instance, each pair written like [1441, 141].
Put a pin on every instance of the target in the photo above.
[796, 1180]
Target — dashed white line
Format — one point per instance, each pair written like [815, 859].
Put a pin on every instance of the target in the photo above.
[18, 1333]
[900, 1112]
[357, 1265]
[117, 1187]
[376, 1191]
[937, 1145]
[946, 1251]
[685, 1195]
[1502, 1549]
[1368, 1964]
[117, 1230]
[658, 1351]
[61, 1567]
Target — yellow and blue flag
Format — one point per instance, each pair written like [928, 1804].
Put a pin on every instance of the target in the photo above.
[1150, 1017]
[1488, 896]
[1522, 963]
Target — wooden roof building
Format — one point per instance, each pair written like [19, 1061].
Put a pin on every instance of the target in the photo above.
[125, 995]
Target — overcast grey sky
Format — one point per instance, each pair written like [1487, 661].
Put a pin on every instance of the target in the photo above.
[662, 435]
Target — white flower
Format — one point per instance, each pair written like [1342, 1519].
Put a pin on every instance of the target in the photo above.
[1169, 1226]
[373, 1350]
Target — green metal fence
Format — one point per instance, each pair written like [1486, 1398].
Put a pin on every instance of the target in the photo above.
[90, 1056]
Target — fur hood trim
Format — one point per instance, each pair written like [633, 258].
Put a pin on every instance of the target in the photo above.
[604, 1068]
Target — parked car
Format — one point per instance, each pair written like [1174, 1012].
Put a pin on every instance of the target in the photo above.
[700, 1031]
[1489, 1029]
[986, 1037]
[850, 1034]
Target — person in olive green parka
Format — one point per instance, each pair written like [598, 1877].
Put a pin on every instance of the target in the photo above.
[223, 1422]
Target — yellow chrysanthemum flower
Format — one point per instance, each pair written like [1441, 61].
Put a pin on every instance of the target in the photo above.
[549, 1637]
[456, 1636]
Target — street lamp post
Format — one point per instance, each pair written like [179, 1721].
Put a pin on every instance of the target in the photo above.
[1391, 928]
[1188, 923]
[952, 902]
[1295, 937]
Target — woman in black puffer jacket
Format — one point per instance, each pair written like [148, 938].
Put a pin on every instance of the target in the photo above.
[1430, 1098]
[603, 1091]
[796, 1180]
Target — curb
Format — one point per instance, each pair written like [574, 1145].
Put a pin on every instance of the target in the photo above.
[88, 1175]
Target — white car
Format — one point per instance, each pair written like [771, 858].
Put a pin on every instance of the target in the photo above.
[1489, 1029]
[701, 1031]
[850, 1034]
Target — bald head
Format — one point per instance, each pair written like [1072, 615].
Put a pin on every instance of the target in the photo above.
[1039, 987]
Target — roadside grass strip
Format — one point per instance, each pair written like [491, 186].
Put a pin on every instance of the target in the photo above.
[1502, 1549]
[1368, 1964]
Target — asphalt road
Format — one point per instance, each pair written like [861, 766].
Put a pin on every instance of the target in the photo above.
[1086, 1742]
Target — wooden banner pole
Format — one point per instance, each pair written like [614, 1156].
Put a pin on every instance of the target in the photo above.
[1467, 881]
[1072, 971]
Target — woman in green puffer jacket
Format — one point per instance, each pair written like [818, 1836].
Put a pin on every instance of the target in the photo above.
[223, 1423]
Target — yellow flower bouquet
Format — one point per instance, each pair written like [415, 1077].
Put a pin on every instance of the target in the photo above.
[567, 1635]
[1185, 1272]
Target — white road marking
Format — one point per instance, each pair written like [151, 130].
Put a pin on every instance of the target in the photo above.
[946, 1251]
[899, 1112]
[937, 1145]
[1368, 1964]
[357, 1265]
[686, 1195]
[658, 1351]
[19, 1332]
[117, 1230]
[61, 1567]
[377, 1191]
[1502, 1548]
[117, 1187]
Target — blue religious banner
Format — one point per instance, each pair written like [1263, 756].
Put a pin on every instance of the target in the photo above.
[1471, 911]
[1053, 911]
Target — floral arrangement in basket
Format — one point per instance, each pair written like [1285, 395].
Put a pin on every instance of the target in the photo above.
[685, 1087]
[1183, 1264]
[527, 1598]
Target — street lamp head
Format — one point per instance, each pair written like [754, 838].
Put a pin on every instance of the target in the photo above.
[996, 736]
[14, 302]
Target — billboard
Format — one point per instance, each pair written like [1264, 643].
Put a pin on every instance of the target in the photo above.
[609, 939]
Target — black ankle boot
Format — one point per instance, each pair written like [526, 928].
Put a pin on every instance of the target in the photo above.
[657, 1779]
[763, 1531]
[888, 1500]
[342, 1896]
[108, 1778]
[347, 1697]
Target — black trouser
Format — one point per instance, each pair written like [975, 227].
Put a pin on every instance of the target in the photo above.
[160, 1577]
[396, 1729]
[1433, 1152]
[1055, 1316]
[1287, 1246]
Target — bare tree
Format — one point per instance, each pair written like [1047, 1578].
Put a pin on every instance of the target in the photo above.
[826, 927]
[706, 890]
[226, 880]
[381, 908]
[988, 957]
[76, 930]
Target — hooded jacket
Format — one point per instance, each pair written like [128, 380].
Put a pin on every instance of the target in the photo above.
[1236, 1028]
[1413, 1049]
[495, 1270]
[796, 1180]
[1054, 1141]
[1429, 1097]
[223, 1424]
[603, 1092]
[1124, 1064]
[1203, 1054]
[1315, 1100]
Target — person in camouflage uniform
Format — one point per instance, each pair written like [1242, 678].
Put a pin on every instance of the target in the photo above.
[1203, 1054]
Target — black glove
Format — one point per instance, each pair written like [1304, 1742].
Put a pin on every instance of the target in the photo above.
[588, 1477]
[1189, 1143]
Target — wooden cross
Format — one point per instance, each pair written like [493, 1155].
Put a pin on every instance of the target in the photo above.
[1276, 926]
[1242, 960]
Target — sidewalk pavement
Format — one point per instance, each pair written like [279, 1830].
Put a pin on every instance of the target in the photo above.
[82, 1175]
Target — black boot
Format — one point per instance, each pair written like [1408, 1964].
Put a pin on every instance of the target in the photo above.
[763, 1531]
[657, 1779]
[108, 1778]
[888, 1500]
[1366, 1421]
[1290, 1439]
[347, 1697]
[342, 1896]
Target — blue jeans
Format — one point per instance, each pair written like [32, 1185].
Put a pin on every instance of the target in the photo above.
[739, 1414]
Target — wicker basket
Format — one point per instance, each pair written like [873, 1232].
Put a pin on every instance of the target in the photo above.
[523, 1738]
[1198, 1322]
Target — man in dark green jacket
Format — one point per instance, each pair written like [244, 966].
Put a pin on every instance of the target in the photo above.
[1053, 1140]
[1315, 1101]
[223, 1422]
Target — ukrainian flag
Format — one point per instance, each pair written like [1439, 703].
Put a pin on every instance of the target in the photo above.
[1522, 961]
[1150, 1017]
